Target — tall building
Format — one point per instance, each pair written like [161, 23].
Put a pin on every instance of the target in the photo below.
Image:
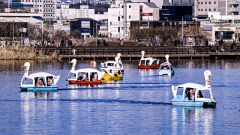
[65, 12]
[202, 7]
[182, 2]
[119, 18]
[45, 7]
[232, 7]
[225, 7]
[158, 3]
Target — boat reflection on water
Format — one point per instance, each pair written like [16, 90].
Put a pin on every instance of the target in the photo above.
[192, 120]
[103, 85]
[38, 94]
[165, 79]
[33, 106]
[72, 86]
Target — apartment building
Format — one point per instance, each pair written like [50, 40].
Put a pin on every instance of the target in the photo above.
[65, 12]
[225, 7]
[202, 7]
[119, 18]
[45, 7]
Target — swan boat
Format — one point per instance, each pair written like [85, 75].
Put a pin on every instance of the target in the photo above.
[148, 63]
[85, 76]
[38, 81]
[111, 74]
[193, 94]
[166, 67]
[113, 70]
[117, 64]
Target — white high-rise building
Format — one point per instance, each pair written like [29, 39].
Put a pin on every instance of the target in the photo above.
[158, 3]
[119, 18]
[64, 12]
[202, 7]
[45, 7]
[229, 7]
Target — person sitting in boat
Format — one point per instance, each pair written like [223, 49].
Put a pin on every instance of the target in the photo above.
[83, 77]
[200, 95]
[40, 83]
[93, 77]
[190, 94]
[49, 82]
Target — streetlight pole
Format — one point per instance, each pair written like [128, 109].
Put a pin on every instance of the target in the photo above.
[182, 30]
[96, 34]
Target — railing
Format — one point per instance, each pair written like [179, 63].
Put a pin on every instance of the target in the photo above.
[136, 50]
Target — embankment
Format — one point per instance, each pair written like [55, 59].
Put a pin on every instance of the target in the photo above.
[25, 53]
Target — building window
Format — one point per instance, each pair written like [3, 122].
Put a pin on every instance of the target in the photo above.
[129, 6]
[122, 6]
[201, 2]
[122, 16]
[129, 17]
[205, 9]
[118, 29]
[119, 18]
[209, 9]
[209, 2]
[198, 2]
[110, 23]
[205, 2]
[214, 9]
[235, 13]
[201, 9]
[214, 2]
[198, 9]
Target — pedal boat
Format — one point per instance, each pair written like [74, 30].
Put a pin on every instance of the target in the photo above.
[166, 68]
[199, 98]
[117, 64]
[111, 74]
[85, 76]
[30, 82]
[148, 63]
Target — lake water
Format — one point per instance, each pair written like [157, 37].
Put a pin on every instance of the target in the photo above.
[139, 104]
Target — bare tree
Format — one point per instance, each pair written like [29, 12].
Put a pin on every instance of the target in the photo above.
[59, 36]
[166, 36]
[76, 34]
[34, 34]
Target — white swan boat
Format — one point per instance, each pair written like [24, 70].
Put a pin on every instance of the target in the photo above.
[148, 63]
[84, 76]
[113, 70]
[193, 94]
[166, 68]
[38, 81]
[117, 64]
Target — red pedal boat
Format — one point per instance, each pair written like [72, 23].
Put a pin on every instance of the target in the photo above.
[148, 63]
[85, 76]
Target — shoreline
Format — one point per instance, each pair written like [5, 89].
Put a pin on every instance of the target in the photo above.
[109, 53]
[25, 53]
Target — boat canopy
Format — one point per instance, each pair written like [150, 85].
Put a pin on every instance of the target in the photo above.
[181, 90]
[89, 70]
[166, 64]
[39, 74]
[148, 61]
[193, 85]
